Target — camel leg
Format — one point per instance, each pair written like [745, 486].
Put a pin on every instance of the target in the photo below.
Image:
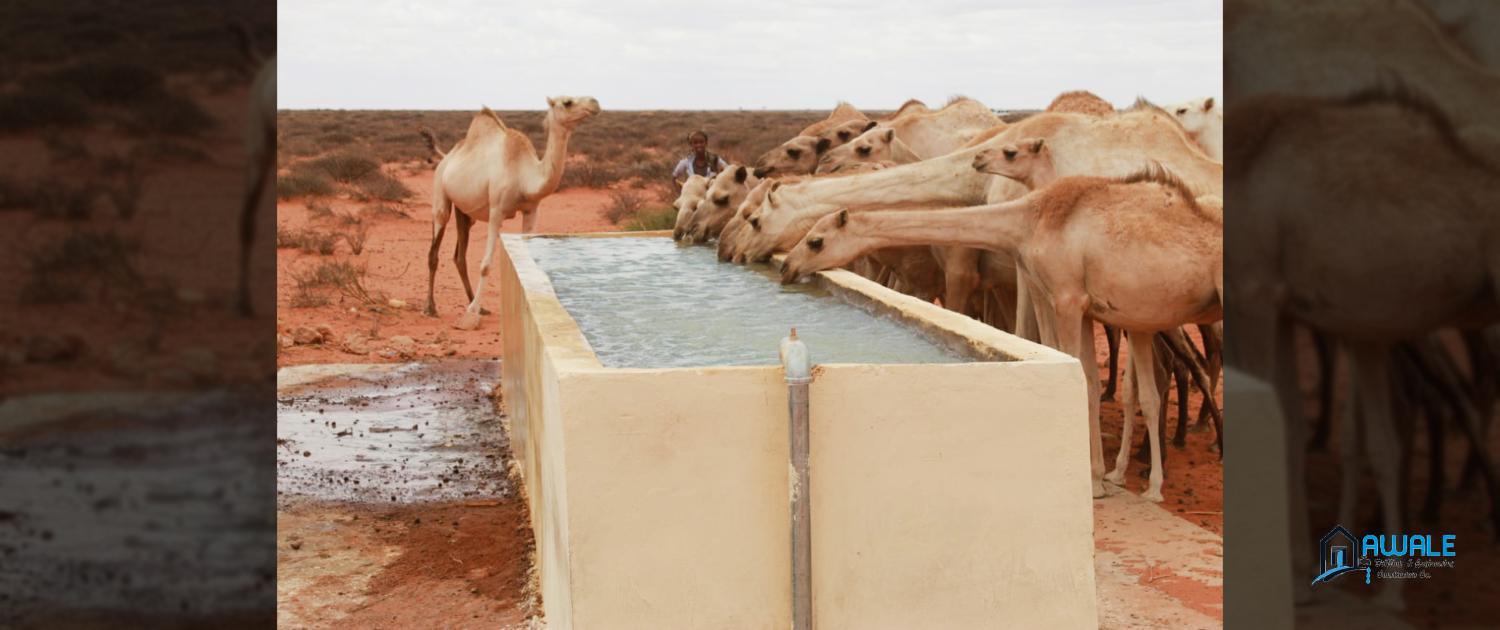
[1127, 427]
[470, 320]
[1143, 361]
[528, 224]
[1370, 362]
[441, 208]
[1112, 336]
[1350, 452]
[1026, 317]
[1213, 359]
[1006, 302]
[960, 277]
[461, 254]
[1075, 336]
[1184, 396]
[1326, 365]
[261, 170]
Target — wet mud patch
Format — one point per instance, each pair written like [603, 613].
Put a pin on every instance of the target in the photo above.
[424, 432]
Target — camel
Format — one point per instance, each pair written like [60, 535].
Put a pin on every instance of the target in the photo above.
[915, 135]
[260, 147]
[1310, 167]
[719, 202]
[1204, 120]
[1150, 250]
[492, 174]
[1084, 145]
[798, 156]
[686, 203]
[1081, 102]
[879, 144]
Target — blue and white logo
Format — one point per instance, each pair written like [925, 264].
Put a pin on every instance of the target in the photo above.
[1394, 557]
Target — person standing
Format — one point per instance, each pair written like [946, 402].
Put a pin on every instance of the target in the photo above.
[699, 162]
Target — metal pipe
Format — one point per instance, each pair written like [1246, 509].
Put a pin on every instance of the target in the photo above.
[794, 360]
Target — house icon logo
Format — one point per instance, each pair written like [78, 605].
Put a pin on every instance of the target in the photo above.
[1337, 555]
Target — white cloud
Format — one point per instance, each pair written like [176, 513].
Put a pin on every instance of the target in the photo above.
[775, 54]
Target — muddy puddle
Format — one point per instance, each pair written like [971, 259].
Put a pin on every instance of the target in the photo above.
[412, 433]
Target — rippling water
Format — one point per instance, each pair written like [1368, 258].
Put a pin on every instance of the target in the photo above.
[648, 302]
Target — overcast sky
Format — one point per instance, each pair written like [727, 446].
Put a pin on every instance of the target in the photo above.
[750, 54]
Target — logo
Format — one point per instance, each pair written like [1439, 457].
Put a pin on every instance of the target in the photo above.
[1397, 557]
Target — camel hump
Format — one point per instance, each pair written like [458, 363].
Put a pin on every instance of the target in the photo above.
[911, 105]
[1081, 102]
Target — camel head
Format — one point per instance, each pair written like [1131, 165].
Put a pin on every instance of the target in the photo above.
[1023, 161]
[721, 201]
[570, 111]
[798, 156]
[843, 132]
[827, 245]
[1196, 115]
[773, 224]
[687, 201]
[874, 145]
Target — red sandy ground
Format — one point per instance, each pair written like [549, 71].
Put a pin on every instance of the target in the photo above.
[395, 256]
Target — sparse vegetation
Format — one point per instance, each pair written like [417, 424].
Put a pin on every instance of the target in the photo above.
[380, 186]
[653, 218]
[342, 275]
[347, 166]
[623, 204]
[356, 236]
[63, 270]
[303, 184]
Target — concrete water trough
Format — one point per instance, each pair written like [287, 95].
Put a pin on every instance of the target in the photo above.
[950, 494]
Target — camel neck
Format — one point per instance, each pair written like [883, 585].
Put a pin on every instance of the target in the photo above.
[552, 159]
[998, 227]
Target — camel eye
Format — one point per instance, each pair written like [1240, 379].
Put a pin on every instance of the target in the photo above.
[1010, 154]
[1182, 111]
[568, 103]
[794, 153]
[844, 135]
[865, 151]
[723, 201]
[815, 244]
[755, 223]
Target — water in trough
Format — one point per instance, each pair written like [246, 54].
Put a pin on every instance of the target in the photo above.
[647, 302]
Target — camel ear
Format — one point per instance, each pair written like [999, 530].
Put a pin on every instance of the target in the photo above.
[890, 134]
[1036, 147]
[739, 175]
[869, 126]
[1208, 104]
[551, 101]
[843, 217]
[823, 144]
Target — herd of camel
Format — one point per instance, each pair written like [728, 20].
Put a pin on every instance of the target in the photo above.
[1071, 216]
[1363, 187]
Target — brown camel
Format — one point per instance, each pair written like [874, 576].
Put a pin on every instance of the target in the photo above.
[1150, 251]
[1309, 168]
[492, 174]
[1081, 102]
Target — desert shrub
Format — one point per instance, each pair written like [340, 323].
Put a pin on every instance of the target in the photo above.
[623, 204]
[352, 217]
[588, 175]
[61, 270]
[654, 218]
[380, 186]
[335, 139]
[169, 115]
[300, 184]
[22, 111]
[385, 210]
[322, 243]
[108, 83]
[346, 166]
[287, 237]
[318, 210]
[355, 237]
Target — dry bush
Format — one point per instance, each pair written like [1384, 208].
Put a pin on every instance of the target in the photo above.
[588, 175]
[288, 238]
[623, 204]
[356, 236]
[352, 217]
[346, 166]
[302, 184]
[317, 210]
[654, 218]
[61, 270]
[380, 186]
[322, 243]
[385, 210]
